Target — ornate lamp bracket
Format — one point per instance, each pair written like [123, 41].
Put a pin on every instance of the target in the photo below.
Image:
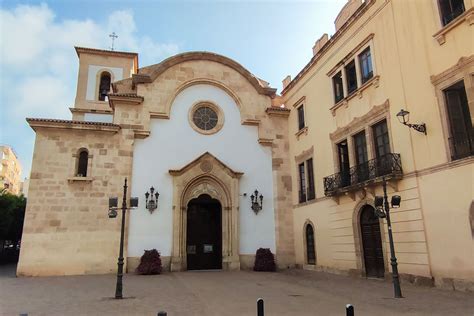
[151, 200]
[256, 205]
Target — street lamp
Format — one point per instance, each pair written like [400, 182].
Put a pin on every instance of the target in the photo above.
[382, 210]
[256, 206]
[404, 117]
[113, 203]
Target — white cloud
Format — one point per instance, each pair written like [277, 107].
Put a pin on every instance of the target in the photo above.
[38, 64]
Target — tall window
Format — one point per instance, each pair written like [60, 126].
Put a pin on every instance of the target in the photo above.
[104, 85]
[302, 193]
[381, 139]
[365, 61]
[460, 124]
[301, 123]
[310, 245]
[351, 77]
[338, 88]
[344, 167]
[360, 145]
[82, 163]
[450, 9]
[311, 188]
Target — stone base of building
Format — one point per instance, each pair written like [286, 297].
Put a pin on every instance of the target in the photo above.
[419, 280]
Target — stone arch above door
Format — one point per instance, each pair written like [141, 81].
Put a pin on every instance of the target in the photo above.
[206, 175]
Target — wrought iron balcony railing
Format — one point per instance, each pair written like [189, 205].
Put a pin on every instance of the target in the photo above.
[389, 166]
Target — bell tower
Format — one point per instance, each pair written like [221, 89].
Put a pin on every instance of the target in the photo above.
[98, 69]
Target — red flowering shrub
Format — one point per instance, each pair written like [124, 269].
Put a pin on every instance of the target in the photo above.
[264, 260]
[150, 263]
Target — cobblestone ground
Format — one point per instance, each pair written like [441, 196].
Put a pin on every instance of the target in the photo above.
[294, 292]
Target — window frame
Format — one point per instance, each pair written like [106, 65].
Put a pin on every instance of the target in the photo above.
[352, 65]
[338, 77]
[300, 110]
[311, 186]
[452, 17]
[462, 70]
[301, 183]
[466, 117]
[360, 56]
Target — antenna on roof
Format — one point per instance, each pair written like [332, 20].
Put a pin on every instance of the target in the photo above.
[113, 36]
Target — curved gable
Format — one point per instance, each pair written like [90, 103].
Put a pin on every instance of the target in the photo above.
[150, 73]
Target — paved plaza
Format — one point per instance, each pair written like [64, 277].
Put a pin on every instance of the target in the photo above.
[293, 292]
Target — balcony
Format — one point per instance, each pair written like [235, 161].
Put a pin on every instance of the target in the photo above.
[372, 171]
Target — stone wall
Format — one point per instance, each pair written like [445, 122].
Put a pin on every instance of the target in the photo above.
[67, 230]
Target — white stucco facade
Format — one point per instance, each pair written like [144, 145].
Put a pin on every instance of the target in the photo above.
[172, 144]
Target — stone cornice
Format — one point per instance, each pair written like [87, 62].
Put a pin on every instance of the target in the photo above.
[80, 50]
[124, 98]
[79, 110]
[36, 123]
[277, 111]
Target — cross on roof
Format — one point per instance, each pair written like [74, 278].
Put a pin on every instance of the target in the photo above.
[113, 36]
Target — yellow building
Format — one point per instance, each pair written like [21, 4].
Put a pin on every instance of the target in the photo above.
[10, 170]
[345, 136]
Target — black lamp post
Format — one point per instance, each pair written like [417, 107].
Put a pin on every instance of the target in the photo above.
[404, 117]
[382, 210]
[113, 203]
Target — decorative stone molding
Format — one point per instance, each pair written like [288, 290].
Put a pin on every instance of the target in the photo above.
[303, 131]
[215, 108]
[376, 113]
[152, 72]
[467, 16]
[461, 66]
[206, 175]
[304, 155]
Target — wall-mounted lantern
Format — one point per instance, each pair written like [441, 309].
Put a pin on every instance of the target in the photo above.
[152, 203]
[256, 206]
[404, 117]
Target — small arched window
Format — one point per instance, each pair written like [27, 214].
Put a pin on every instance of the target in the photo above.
[104, 85]
[310, 245]
[82, 162]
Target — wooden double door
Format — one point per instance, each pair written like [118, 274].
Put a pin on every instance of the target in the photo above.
[204, 234]
[372, 243]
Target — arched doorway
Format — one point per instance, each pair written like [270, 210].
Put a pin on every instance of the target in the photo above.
[204, 234]
[310, 245]
[372, 243]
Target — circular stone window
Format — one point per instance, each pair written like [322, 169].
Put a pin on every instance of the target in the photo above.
[206, 118]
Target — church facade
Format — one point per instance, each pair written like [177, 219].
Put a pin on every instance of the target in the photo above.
[207, 134]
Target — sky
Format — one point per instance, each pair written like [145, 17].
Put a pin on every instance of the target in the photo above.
[39, 66]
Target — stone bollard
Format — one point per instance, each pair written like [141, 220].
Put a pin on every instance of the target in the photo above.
[349, 310]
[260, 311]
